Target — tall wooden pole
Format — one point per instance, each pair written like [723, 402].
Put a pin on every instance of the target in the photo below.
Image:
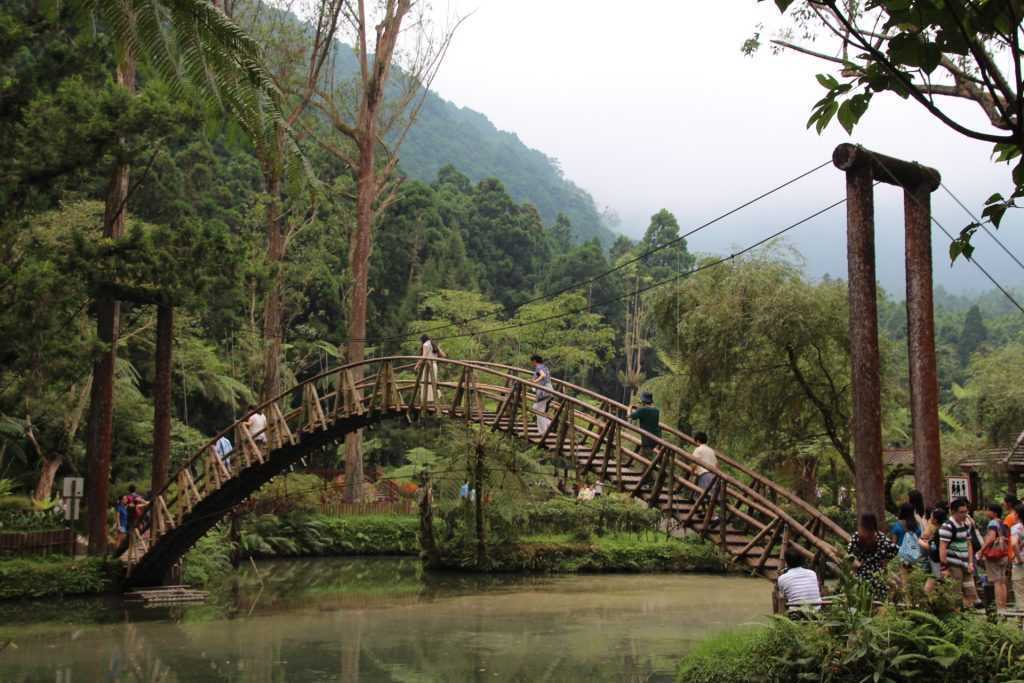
[864, 354]
[924, 380]
[863, 167]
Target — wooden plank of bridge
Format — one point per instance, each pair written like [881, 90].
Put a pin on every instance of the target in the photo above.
[602, 436]
[188, 495]
[375, 392]
[461, 394]
[781, 528]
[313, 412]
[162, 518]
[509, 400]
[645, 475]
[282, 434]
[770, 528]
[347, 401]
[392, 396]
[250, 451]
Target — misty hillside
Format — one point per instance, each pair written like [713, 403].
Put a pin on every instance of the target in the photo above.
[447, 134]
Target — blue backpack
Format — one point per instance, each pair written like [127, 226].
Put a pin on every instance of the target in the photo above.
[910, 549]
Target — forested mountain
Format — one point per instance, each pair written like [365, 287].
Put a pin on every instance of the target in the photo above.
[445, 134]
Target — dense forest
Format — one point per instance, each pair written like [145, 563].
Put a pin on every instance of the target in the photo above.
[481, 238]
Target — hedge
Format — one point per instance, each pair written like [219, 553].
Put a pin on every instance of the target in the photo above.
[300, 535]
[57, 575]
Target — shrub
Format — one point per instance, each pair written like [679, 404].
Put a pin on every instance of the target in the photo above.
[20, 513]
[290, 493]
[846, 645]
[318, 535]
[57, 575]
[210, 559]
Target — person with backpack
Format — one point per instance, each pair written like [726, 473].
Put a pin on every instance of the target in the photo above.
[955, 556]
[930, 545]
[907, 533]
[995, 551]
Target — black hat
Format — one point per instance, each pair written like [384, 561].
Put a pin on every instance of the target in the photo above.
[647, 397]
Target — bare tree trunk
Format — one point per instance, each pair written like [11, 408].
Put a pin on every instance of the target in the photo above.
[162, 397]
[478, 484]
[273, 334]
[44, 487]
[359, 266]
[101, 406]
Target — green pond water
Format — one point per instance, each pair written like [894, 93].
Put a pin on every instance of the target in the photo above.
[383, 620]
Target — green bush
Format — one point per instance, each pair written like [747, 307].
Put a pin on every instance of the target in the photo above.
[19, 513]
[319, 535]
[209, 560]
[290, 493]
[610, 553]
[846, 645]
[57, 575]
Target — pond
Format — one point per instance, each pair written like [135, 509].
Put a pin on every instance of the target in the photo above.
[383, 619]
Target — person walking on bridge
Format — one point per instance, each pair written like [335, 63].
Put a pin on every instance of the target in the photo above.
[706, 456]
[429, 352]
[541, 376]
[649, 418]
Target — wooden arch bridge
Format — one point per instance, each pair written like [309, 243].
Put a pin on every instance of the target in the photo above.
[750, 517]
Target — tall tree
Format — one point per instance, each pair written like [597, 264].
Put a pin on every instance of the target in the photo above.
[972, 336]
[183, 40]
[369, 124]
[929, 52]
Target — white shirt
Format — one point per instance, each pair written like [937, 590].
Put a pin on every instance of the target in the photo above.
[706, 455]
[257, 424]
[427, 350]
[799, 585]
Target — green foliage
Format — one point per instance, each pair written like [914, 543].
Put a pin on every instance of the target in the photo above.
[57, 576]
[19, 513]
[897, 646]
[316, 535]
[917, 50]
[210, 558]
[289, 493]
[578, 552]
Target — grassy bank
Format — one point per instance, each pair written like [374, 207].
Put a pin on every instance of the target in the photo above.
[56, 575]
[615, 552]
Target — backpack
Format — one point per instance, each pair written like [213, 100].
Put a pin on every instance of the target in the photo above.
[910, 549]
[999, 548]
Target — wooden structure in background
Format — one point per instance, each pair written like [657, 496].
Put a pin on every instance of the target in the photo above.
[864, 169]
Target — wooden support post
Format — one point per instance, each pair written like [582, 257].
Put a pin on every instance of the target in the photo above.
[779, 524]
[924, 379]
[348, 401]
[282, 433]
[867, 413]
[618, 459]
[313, 412]
[723, 512]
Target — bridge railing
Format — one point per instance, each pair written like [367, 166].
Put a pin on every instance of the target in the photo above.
[586, 425]
[756, 480]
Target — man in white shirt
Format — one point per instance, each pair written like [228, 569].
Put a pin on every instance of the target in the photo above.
[706, 456]
[799, 585]
[257, 424]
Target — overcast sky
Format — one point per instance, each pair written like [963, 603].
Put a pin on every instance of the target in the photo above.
[649, 104]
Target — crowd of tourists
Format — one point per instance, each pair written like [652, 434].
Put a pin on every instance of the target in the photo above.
[944, 544]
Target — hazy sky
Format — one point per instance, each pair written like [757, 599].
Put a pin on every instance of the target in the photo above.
[649, 104]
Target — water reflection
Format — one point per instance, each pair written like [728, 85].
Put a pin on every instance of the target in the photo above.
[383, 620]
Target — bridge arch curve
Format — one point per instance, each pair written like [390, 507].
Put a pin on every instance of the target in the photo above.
[750, 517]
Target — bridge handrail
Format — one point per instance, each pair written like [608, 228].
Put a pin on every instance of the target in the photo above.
[734, 487]
[731, 462]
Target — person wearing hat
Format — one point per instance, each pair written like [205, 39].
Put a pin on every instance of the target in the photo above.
[649, 419]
